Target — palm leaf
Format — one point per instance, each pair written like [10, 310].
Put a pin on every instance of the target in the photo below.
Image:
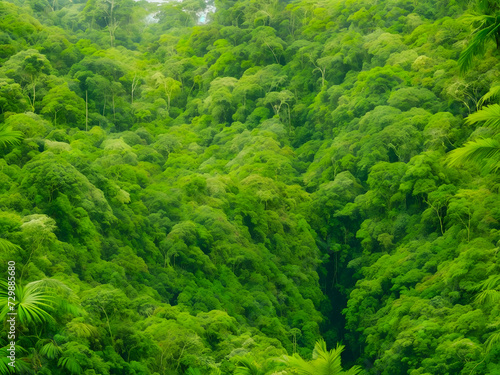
[21, 366]
[354, 370]
[248, 368]
[4, 306]
[82, 329]
[54, 288]
[50, 350]
[490, 115]
[476, 46]
[484, 152]
[32, 305]
[37, 298]
[53, 284]
[9, 136]
[492, 340]
[324, 362]
[490, 283]
[6, 245]
[488, 297]
[5, 369]
[492, 94]
[70, 364]
[299, 365]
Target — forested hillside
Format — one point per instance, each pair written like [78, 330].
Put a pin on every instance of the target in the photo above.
[219, 198]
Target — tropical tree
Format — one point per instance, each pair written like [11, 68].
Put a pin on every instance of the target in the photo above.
[61, 100]
[323, 362]
[170, 86]
[484, 152]
[110, 14]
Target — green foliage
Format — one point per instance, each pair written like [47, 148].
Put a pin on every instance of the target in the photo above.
[204, 198]
[32, 305]
[486, 27]
[485, 152]
[490, 115]
[323, 362]
[9, 136]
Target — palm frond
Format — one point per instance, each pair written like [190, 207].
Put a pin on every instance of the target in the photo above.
[45, 284]
[21, 366]
[327, 362]
[50, 350]
[477, 44]
[9, 136]
[492, 340]
[484, 152]
[66, 297]
[488, 293]
[249, 368]
[5, 369]
[6, 245]
[82, 329]
[4, 306]
[354, 370]
[299, 365]
[490, 283]
[488, 297]
[489, 114]
[70, 364]
[32, 305]
[324, 362]
[492, 94]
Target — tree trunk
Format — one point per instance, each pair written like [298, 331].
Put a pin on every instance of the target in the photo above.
[86, 111]
[113, 103]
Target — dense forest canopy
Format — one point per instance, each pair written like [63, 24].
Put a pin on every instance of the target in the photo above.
[252, 194]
